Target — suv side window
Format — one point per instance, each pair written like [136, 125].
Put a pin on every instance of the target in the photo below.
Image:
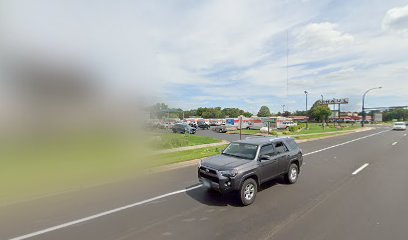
[266, 150]
[280, 148]
[292, 144]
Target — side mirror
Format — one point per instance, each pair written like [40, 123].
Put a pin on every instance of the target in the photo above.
[265, 157]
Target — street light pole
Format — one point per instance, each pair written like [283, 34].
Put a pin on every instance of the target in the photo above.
[324, 119]
[283, 109]
[363, 117]
[307, 120]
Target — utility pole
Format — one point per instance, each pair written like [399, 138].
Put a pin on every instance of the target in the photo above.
[323, 121]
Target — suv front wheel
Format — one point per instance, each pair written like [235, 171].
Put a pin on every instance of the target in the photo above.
[292, 175]
[248, 191]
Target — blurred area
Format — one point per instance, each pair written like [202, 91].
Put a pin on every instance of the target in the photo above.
[66, 120]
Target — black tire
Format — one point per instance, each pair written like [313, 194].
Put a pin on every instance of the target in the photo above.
[220, 131]
[248, 191]
[292, 175]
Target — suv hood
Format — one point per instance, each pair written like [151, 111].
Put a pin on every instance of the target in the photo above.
[223, 162]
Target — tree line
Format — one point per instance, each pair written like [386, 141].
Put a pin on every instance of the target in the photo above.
[318, 112]
[161, 110]
[395, 114]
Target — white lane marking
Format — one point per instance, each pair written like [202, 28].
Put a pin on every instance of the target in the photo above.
[102, 214]
[154, 199]
[360, 168]
[344, 143]
[394, 143]
[405, 135]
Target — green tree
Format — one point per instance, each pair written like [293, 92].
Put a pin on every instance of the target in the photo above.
[189, 113]
[247, 114]
[319, 112]
[399, 114]
[299, 113]
[264, 112]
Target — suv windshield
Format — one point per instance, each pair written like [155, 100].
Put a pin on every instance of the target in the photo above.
[241, 150]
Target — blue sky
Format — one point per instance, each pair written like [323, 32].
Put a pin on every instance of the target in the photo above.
[224, 53]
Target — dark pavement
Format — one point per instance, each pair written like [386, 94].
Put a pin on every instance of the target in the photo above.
[327, 202]
[223, 136]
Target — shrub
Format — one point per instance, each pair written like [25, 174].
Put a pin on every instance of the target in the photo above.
[293, 128]
[286, 132]
[274, 133]
[296, 128]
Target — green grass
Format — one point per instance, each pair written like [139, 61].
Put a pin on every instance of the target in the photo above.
[170, 140]
[175, 157]
[317, 136]
[245, 131]
[37, 167]
[312, 128]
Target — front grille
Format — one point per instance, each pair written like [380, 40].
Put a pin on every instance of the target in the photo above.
[210, 171]
[209, 174]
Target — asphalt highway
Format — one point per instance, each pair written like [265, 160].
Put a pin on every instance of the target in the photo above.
[350, 187]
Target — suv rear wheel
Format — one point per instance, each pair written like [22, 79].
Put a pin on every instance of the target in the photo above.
[292, 175]
[248, 191]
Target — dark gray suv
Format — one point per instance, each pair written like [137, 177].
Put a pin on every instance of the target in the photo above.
[245, 164]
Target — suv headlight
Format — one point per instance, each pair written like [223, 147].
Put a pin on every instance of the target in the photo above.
[199, 164]
[229, 173]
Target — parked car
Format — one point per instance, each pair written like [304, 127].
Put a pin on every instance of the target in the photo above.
[193, 124]
[399, 126]
[245, 164]
[203, 125]
[224, 128]
[220, 129]
[183, 128]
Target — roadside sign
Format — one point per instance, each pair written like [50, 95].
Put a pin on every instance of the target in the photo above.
[335, 101]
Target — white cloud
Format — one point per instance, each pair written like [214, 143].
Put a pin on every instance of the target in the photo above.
[322, 37]
[396, 20]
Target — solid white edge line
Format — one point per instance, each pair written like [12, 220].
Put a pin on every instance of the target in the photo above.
[360, 168]
[394, 143]
[103, 214]
[156, 198]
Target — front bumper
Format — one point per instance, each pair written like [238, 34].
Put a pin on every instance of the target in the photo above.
[215, 181]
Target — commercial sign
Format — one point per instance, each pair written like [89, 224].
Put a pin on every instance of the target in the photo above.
[336, 101]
